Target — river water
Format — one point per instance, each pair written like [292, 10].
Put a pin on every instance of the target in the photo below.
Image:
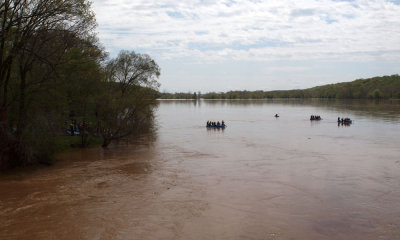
[261, 178]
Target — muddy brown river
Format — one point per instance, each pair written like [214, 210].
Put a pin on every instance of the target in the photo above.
[262, 178]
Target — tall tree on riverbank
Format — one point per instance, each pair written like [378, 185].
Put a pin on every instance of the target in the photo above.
[52, 69]
[35, 33]
[126, 107]
[35, 37]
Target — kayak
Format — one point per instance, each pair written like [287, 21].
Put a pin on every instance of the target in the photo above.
[315, 119]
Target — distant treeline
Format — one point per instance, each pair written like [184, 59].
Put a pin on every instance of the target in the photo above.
[372, 88]
[179, 95]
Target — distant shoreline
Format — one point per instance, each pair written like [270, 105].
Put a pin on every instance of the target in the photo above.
[263, 99]
[385, 87]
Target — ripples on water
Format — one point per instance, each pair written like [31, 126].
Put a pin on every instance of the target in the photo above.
[260, 178]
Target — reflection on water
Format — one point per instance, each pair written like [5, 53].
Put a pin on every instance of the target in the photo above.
[260, 178]
[343, 124]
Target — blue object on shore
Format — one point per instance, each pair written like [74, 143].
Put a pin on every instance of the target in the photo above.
[76, 133]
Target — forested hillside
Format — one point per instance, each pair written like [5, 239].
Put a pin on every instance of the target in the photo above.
[372, 88]
[377, 87]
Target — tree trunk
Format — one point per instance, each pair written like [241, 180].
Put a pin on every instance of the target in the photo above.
[21, 108]
[3, 115]
[3, 109]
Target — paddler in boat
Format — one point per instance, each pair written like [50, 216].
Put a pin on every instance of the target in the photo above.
[223, 123]
[276, 115]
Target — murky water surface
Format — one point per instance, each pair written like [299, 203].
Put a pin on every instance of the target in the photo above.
[260, 178]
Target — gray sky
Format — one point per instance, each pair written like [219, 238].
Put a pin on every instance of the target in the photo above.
[204, 45]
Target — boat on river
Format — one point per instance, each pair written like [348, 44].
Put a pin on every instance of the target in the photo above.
[216, 126]
[345, 121]
[315, 118]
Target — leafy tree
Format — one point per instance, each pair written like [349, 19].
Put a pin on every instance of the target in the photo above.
[376, 94]
[35, 37]
[81, 84]
[28, 29]
[126, 106]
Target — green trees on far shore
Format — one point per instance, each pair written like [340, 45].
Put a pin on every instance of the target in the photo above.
[373, 88]
[53, 71]
[179, 95]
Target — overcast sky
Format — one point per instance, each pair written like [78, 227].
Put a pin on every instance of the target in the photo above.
[205, 45]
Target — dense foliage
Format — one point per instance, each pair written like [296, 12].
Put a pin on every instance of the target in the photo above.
[373, 88]
[54, 75]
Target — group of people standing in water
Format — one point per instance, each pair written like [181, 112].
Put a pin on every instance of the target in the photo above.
[216, 124]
